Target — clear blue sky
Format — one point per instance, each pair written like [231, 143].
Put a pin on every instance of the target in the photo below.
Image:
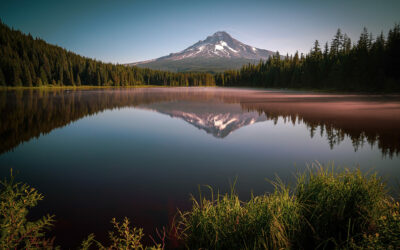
[128, 31]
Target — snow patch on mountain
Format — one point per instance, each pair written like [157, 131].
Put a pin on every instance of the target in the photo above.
[216, 53]
[218, 45]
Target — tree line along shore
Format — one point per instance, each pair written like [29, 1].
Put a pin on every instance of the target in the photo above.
[372, 64]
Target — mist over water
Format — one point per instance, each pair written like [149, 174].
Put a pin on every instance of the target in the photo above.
[140, 153]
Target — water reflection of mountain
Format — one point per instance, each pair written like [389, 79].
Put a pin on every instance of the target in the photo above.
[365, 119]
[216, 118]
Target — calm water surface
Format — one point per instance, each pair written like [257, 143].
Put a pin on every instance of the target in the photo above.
[140, 153]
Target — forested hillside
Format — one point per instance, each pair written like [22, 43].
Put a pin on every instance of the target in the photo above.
[26, 61]
[371, 64]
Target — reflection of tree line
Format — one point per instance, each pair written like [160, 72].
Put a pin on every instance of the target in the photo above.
[387, 139]
[27, 114]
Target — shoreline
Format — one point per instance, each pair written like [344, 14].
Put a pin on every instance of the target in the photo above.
[51, 87]
[323, 91]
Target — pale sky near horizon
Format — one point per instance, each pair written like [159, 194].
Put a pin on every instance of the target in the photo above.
[135, 30]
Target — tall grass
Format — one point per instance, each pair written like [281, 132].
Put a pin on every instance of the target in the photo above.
[327, 208]
[338, 205]
[227, 223]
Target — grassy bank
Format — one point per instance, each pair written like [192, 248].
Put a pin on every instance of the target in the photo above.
[324, 209]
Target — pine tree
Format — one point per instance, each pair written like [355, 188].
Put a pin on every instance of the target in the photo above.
[72, 77]
[78, 80]
[316, 50]
[326, 49]
[346, 44]
[43, 76]
[27, 79]
[60, 75]
[98, 79]
[16, 74]
[336, 42]
[364, 40]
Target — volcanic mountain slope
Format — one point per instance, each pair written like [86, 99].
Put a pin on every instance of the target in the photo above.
[216, 53]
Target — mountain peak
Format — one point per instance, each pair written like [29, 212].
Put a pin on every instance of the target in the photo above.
[220, 47]
[221, 34]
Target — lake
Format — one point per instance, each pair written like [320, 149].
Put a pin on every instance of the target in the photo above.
[103, 153]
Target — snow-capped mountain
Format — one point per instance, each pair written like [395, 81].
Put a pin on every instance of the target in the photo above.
[220, 45]
[216, 53]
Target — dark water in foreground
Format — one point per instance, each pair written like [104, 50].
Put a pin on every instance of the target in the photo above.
[140, 153]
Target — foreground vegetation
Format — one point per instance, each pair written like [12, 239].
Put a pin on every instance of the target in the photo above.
[326, 209]
[18, 233]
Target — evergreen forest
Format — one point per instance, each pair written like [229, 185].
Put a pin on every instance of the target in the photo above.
[372, 64]
[26, 61]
